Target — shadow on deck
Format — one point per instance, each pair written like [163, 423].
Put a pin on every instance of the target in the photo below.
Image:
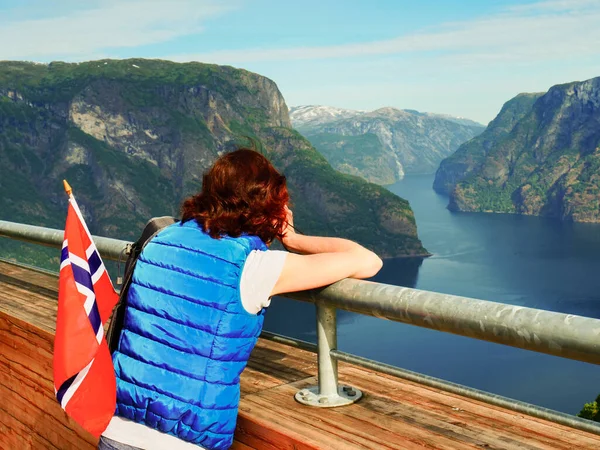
[394, 413]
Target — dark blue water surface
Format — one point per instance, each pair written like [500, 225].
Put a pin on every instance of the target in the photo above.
[529, 261]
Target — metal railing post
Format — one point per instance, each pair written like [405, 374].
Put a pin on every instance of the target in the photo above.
[328, 393]
[327, 341]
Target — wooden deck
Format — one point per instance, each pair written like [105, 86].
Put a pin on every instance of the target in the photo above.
[394, 414]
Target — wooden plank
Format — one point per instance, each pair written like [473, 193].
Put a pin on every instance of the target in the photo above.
[27, 284]
[29, 408]
[28, 405]
[33, 278]
[401, 390]
[475, 414]
[467, 427]
[380, 412]
[352, 429]
[291, 361]
[13, 434]
[267, 429]
[239, 446]
[253, 380]
[25, 292]
[271, 366]
[38, 425]
[30, 307]
[32, 352]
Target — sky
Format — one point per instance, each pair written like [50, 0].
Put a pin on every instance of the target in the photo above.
[464, 58]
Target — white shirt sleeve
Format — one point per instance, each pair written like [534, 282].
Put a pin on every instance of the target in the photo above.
[260, 273]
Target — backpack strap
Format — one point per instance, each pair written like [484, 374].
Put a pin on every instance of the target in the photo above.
[152, 228]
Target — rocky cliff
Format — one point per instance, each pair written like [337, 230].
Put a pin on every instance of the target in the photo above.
[382, 145]
[133, 137]
[540, 156]
[472, 153]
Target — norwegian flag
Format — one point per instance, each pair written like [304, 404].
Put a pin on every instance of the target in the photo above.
[84, 378]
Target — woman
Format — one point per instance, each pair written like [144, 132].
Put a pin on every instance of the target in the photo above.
[197, 301]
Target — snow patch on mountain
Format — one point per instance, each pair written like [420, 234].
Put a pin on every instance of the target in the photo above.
[311, 115]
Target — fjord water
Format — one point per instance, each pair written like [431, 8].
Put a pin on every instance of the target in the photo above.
[529, 261]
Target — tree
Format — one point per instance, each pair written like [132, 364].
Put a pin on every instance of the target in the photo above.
[591, 410]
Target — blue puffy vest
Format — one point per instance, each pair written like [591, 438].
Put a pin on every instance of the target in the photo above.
[186, 337]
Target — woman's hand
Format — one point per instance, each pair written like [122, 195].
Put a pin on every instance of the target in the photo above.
[289, 232]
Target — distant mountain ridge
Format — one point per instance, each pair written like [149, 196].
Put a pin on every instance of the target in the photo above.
[539, 156]
[313, 115]
[384, 144]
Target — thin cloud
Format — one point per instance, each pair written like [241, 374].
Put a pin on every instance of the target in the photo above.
[554, 5]
[558, 29]
[106, 26]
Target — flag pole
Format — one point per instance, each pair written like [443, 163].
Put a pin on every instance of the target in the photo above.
[67, 187]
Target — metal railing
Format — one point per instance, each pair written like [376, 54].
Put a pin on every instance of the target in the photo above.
[565, 335]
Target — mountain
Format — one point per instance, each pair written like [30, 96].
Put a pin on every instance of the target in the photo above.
[398, 141]
[539, 156]
[362, 155]
[471, 154]
[133, 137]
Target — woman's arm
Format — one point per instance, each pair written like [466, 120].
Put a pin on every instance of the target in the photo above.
[323, 260]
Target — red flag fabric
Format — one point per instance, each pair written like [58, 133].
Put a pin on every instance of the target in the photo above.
[84, 378]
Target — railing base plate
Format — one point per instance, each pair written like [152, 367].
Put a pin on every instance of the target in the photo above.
[310, 396]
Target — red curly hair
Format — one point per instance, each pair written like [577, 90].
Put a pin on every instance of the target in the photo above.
[241, 193]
